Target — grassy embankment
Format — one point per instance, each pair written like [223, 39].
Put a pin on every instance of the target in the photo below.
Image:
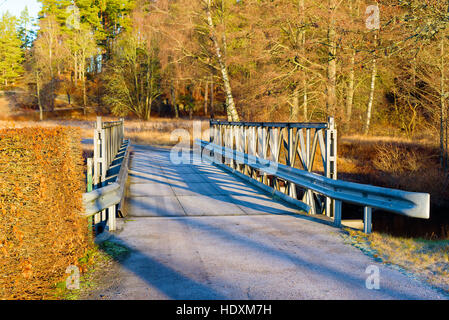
[426, 259]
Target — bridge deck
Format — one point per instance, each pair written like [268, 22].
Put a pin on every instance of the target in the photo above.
[196, 232]
[159, 188]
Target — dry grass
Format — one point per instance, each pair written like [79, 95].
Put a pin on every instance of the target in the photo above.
[394, 163]
[163, 132]
[85, 126]
[401, 164]
[428, 259]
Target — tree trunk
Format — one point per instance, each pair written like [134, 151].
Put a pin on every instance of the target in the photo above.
[83, 79]
[76, 68]
[332, 62]
[84, 95]
[350, 93]
[442, 106]
[305, 99]
[231, 109]
[173, 99]
[212, 115]
[148, 110]
[372, 88]
[206, 86]
[38, 89]
[295, 105]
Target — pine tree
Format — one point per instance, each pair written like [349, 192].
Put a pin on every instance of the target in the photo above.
[26, 33]
[11, 55]
[57, 8]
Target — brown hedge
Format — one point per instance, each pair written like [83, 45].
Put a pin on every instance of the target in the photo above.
[41, 230]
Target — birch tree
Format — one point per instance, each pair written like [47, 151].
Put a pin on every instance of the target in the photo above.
[231, 109]
[331, 87]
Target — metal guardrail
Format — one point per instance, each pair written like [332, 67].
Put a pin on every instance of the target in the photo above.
[107, 172]
[411, 204]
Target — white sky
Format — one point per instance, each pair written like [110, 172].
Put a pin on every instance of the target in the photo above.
[16, 6]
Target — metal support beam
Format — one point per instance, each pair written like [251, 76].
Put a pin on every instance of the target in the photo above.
[337, 213]
[367, 219]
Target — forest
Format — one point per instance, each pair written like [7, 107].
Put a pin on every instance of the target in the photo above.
[377, 67]
[380, 68]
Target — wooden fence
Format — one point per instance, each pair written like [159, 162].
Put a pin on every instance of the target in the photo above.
[107, 172]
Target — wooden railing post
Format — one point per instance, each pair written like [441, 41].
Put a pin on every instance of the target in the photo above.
[122, 138]
[108, 139]
[112, 224]
[97, 160]
[211, 138]
[222, 143]
[89, 188]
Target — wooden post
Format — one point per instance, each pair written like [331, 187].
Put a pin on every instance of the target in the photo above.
[123, 130]
[239, 140]
[108, 138]
[221, 136]
[97, 152]
[211, 138]
[104, 165]
[230, 143]
[97, 160]
[89, 189]
[112, 220]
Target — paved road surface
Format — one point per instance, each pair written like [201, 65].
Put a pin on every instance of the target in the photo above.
[197, 232]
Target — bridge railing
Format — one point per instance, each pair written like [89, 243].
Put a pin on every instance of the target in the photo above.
[292, 144]
[106, 173]
[319, 193]
[108, 137]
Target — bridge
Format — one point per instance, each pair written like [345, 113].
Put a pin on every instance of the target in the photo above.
[238, 227]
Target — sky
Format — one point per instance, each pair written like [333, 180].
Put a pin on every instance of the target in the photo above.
[15, 7]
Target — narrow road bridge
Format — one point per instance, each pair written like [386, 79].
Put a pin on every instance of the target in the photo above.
[196, 231]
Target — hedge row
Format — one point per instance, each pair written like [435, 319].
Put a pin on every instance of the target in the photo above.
[41, 230]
